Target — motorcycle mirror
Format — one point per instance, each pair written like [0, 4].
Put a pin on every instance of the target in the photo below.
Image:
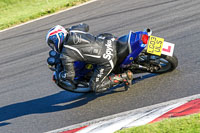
[149, 31]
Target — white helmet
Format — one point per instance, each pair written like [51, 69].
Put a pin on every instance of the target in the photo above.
[55, 37]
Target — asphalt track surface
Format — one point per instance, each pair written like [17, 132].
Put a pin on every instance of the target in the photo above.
[31, 102]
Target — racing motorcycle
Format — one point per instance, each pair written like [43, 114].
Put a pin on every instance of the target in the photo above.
[139, 52]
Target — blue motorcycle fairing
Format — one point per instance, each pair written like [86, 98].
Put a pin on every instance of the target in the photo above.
[135, 45]
[81, 69]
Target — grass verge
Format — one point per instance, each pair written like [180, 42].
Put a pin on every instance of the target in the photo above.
[186, 124]
[13, 12]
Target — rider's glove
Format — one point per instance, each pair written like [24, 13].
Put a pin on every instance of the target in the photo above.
[63, 75]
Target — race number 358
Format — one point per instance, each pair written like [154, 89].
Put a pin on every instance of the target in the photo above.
[155, 45]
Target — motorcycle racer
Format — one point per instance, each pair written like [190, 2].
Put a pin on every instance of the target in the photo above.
[76, 44]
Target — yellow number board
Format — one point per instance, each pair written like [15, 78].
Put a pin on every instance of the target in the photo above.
[155, 45]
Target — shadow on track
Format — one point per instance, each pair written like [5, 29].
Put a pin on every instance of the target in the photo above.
[51, 103]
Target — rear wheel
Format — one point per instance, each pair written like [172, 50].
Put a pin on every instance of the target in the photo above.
[154, 64]
[166, 63]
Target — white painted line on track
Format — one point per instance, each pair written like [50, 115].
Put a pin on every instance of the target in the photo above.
[135, 117]
[49, 15]
[153, 114]
[130, 120]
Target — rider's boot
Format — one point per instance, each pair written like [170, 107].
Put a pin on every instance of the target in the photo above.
[126, 78]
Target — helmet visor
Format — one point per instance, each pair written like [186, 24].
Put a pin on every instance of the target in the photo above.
[51, 45]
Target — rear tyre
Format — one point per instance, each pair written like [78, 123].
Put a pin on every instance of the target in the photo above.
[167, 64]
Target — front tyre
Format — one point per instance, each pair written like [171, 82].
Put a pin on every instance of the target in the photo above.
[80, 88]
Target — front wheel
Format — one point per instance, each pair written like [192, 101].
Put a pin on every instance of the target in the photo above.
[80, 87]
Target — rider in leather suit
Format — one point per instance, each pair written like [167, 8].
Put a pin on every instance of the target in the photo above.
[79, 45]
